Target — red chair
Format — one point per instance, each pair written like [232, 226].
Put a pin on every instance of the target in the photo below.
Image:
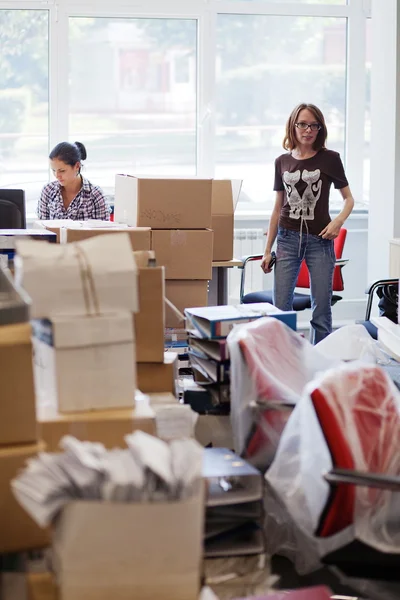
[300, 301]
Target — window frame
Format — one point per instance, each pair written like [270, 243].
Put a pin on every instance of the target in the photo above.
[205, 12]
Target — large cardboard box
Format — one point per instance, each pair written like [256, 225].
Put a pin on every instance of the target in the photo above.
[140, 237]
[184, 294]
[41, 586]
[85, 363]
[149, 322]
[185, 254]
[106, 426]
[163, 203]
[225, 196]
[91, 277]
[158, 377]
[17, 405]
[18, 532]
[105, 550]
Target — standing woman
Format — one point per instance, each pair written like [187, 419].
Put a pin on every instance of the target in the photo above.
[71, 196]
[300, 219]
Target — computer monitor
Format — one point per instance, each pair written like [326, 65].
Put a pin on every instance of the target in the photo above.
[12, 209]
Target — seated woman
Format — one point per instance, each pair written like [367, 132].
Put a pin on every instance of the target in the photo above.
[71, 196]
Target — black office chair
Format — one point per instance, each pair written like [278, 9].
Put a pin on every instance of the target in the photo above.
[387, 291]
[12, 209]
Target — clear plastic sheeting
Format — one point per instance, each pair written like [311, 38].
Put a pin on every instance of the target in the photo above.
[270, 366]
[352, 342]
[350, 414]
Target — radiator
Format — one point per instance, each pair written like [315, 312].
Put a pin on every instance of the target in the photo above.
[248, 241]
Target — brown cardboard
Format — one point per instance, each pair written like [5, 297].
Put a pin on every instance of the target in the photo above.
[158, 377]
[139, 236]
[17, 406]
[163, 203]
[124, 550]
[41, 586]
[184, 294]
[185, 253]
[224, 199]
[18, 532]
[106, 426]
[85, 363]
[149, 322]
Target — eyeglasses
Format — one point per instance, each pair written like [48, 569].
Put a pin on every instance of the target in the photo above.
[304, 126]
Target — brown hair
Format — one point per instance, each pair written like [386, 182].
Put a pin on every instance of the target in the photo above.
[290, 141]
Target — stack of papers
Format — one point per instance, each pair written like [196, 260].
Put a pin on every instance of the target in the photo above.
[148, 470]
[234, 512]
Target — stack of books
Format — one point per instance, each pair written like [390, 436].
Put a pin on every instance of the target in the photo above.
[234, 506]
[208, 328]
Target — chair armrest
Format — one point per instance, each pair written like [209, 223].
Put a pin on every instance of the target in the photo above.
[371, 289]
[372, 480]
[245, 260]
[249, 258]
[341, 262]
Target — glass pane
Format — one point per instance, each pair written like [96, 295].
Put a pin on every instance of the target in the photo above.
[24, 102]
[133, 95]
[265, 66]
[367, 148]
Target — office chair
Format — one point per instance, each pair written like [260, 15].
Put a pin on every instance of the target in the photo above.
[12, 209]
[378, 287]
[300, 301]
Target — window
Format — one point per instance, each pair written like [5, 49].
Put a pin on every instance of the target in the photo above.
[133, 99]
[24, 102]
[265, 66]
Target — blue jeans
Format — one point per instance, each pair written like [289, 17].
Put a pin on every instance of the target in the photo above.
[319, 255]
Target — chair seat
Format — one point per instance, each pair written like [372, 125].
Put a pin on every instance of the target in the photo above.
[300, 301]
[371, 328]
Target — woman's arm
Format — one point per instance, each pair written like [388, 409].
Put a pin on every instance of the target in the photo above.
[43, 205]
[331, 231]
[272, 231]
[100, 209]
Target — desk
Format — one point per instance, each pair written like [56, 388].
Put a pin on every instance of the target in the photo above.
[218, 286]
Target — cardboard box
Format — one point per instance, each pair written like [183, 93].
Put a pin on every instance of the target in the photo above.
[18, 532]
[105, 550]
[140, 237]
[17, 406]
[225, 196]
[158, 377]
[91, 277]
[41, 586]
[185, 254]
[184, 294]
[106, 426]
[149, 322]
[85, 363]
[163, 203]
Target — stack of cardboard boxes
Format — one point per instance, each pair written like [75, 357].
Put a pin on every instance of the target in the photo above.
[18, 431]
[84, 339]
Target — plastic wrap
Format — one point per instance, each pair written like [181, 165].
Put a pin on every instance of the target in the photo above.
[364, 408]
[270, 366]
[352, 342]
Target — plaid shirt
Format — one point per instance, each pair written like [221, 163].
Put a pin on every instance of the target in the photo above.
[89, 203]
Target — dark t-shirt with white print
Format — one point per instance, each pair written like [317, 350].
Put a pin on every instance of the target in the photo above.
[306, 185]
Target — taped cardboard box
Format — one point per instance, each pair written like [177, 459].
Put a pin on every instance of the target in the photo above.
[158, 377]
[105, 550]
[163, 203]
[140, 237]
[106, 426]
[184, 294]
[149, 322]
[18, 532]
[91, 277]
[225, 196]
[85, 363]
[185, 253]
[17, 406]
